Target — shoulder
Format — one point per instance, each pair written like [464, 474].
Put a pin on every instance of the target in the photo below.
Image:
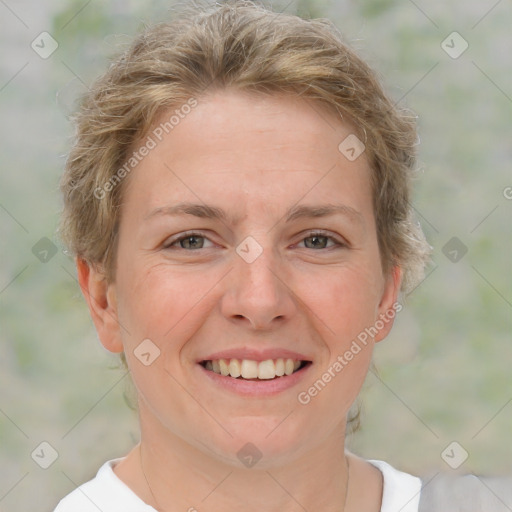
[466, 493]
[105, 492]
[401, 491]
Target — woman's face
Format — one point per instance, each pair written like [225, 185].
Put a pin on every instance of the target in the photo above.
[225, 251]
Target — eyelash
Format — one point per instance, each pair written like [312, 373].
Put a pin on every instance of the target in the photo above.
[312, 234]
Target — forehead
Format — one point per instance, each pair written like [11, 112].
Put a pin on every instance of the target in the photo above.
[274, 122]
[272, 149]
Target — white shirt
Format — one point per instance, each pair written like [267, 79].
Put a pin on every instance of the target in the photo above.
[108, 493]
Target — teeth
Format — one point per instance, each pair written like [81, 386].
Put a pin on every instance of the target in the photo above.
[234, 368]
[224, 368]
[280, 367]
[266, 369]
[249, 369]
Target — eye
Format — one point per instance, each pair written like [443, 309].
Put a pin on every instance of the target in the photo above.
[319, 239]
[194, 241]
[188, 241]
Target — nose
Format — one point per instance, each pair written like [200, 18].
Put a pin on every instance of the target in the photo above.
[259, 293]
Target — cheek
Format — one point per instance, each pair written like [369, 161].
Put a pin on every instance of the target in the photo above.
[345, 300]
[345, 303]
[161, 304]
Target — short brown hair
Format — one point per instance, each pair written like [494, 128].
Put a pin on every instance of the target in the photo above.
[244, 46]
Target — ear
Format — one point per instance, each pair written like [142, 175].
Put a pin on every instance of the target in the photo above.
[101, 299]
[389, 306]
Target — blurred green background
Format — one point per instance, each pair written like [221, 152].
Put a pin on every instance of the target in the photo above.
[443, 373]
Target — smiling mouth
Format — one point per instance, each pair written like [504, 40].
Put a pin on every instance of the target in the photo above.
[248, 369]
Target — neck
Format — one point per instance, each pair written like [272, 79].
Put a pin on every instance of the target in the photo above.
[176, 476]
[174, 484]
[173, 475]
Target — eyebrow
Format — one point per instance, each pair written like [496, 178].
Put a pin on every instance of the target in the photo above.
[205, 211]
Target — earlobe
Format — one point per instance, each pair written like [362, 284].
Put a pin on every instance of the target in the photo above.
[100, 296]
[389, 306]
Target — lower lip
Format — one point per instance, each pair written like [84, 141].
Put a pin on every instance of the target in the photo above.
[256, 387]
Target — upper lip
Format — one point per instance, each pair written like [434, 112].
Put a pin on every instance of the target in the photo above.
[255, 354]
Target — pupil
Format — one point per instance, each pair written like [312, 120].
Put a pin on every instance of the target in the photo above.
[189, 241]
[315, 239]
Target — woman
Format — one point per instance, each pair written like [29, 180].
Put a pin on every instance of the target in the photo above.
[237, 199]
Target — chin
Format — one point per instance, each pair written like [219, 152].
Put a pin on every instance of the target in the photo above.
[260, 442]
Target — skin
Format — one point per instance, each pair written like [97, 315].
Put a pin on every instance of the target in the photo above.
[255, 157]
